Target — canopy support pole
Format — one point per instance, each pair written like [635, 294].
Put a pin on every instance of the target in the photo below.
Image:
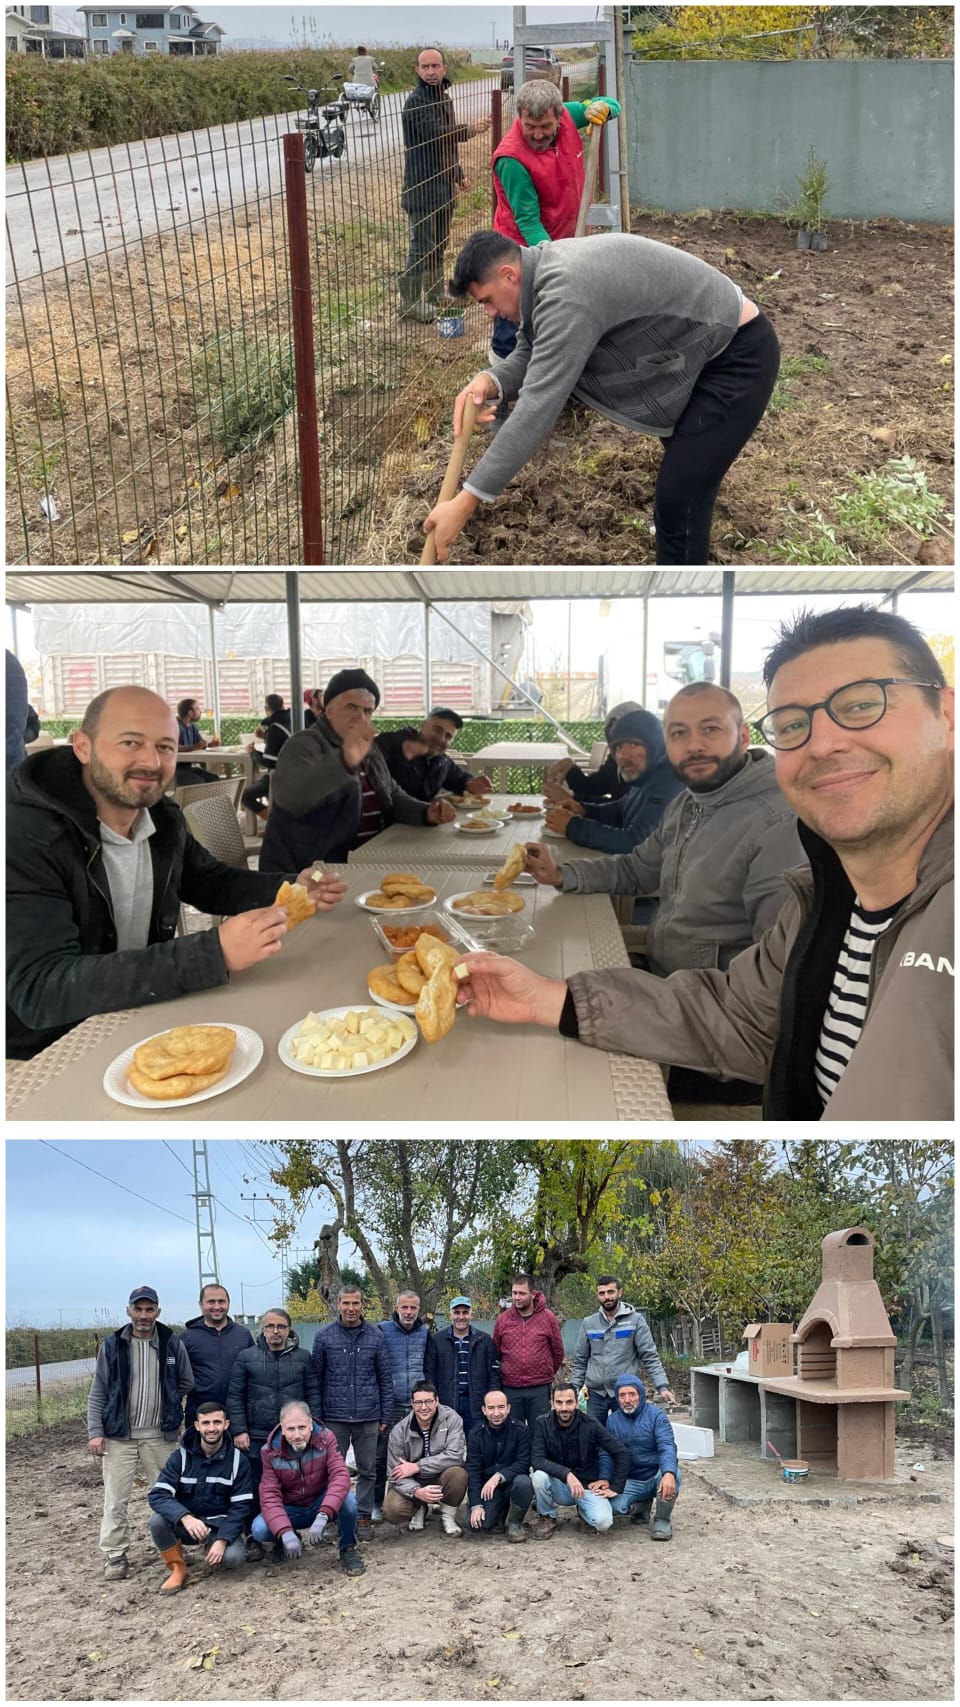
[292, 584]
[427, 665]
[727, 590]
[539, 709]
[645, 645]
[217, 715]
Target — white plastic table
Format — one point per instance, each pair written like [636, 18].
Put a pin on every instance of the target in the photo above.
[504, 753]
[445, 844]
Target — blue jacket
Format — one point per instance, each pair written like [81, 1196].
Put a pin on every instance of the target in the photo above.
[407, 1348]
[647, 1435]
[212, 1353]
[217, 1489]
[620, 825]
[505, 1449]
[108, 1407]
[483, 1367]
[352, 1366]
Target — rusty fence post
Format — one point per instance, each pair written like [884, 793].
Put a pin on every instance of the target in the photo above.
[496, 136]
[36, 1365]
[601, 91]
[301, 291]
[565, 86]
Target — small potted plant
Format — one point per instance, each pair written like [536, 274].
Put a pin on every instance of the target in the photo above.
[450, 320]
[808, 209]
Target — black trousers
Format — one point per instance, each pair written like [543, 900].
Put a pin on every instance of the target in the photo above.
[429, 232]
[725, 406]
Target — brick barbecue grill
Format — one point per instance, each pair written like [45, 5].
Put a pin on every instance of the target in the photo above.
[844, 1382]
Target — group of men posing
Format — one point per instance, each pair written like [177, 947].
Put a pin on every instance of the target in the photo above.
[431, 1418]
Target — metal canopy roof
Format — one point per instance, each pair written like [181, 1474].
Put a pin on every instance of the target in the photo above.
[378, 586]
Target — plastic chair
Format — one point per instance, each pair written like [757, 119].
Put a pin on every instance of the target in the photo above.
[598, 753]
[212, 822]
[228, 788]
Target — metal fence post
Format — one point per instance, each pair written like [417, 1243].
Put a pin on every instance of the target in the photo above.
[301, 289]
[36, 1365]
[496, 136]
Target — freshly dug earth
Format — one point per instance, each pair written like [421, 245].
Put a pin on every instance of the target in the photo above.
[868, 328]
[776, 1603]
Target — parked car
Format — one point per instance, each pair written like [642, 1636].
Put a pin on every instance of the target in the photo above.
[537, 62]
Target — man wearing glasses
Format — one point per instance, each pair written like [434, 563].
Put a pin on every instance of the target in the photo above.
[425, 1465]
[844, 1008]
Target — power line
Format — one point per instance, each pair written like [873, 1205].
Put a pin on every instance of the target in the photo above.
[115, 1182]
[177, 1158]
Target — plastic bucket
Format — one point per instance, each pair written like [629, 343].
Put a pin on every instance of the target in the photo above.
[451, 326]
[794, 1470]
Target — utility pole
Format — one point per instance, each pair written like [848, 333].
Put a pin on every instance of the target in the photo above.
[207, 1265]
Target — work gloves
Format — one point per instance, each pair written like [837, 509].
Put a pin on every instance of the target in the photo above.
[317, 1527]
[597, 112]
[292, 1544]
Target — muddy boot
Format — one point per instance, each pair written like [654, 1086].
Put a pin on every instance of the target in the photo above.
[545, 1527]
[448, 1519]
[661, 1529]
[640, 1511]
[435, 289]
[116, 1569]
[412, 307]
[515, 1529]
[173, 1556]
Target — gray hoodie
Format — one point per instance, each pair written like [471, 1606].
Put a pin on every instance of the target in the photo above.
[718, 861]
[623, 324]
[607, 1349]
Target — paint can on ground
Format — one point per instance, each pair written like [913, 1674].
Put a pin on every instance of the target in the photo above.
[794, 1470]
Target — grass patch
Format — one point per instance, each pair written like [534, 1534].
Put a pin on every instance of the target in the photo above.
[795, 367]
[819, 545]
[59, 1404]
[894, 497]
[249, 387]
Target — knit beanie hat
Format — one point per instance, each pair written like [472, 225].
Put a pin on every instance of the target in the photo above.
[345, 680]
[640, 726]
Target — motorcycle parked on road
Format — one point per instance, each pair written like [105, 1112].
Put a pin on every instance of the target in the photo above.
[324, 128]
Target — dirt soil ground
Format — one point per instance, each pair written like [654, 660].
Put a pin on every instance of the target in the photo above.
[868, 329]
[777, 1603]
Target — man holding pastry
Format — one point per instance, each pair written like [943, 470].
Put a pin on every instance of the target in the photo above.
[98, 862]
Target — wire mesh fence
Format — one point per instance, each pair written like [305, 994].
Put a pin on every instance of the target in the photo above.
[151, 394]
[46, 1386]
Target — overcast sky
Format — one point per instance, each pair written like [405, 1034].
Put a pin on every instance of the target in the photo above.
[78, 1243]
[385, 26]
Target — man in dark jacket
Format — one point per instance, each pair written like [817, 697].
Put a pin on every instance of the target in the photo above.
[98, 862]
[566, 1464]
[431, 172]
[530, 1348]
[332, 790]
[653, 1471]
[202, 1494]
[213, 1342]
[637, 745]
[462, 1363]
[134, 1413]
[273, 732]
[498, 1464]
[305, 1483]
[561, 779]
[352, 1368]
[419, 762]
[407, 1337]
[262, 1380]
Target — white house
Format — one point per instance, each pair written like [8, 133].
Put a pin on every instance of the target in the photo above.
[163, 29]
[31, 29]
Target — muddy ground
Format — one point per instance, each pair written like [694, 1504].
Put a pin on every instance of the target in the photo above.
[784, 1602]
[869, 323]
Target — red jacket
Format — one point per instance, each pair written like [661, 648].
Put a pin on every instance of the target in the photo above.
[557, 176]
[319, 1472]
[530, 1347]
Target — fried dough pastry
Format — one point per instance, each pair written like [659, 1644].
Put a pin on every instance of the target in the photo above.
[511, 868]
[179, 1085]
[379, 899]
[437, 1002]
[480, 905]
[296, 903]
[409, 973]
[383, 983]
[196, 1050]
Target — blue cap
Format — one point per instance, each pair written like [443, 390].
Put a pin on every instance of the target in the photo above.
[461, 1300]
[143, 1292]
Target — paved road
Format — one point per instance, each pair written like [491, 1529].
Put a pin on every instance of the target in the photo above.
[49, 1372]
[77, 206]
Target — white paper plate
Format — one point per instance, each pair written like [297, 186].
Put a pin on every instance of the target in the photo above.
[246, 1055]
[525, 880]
[466, 805]
[362, 902]
[392, 1007]
[349, 1072]
[553, 836]
[524, 817]
[458, 913]
[469, 827]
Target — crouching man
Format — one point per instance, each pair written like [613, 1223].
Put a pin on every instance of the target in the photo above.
[425, 1463]
[202, 1494]
[566, 1464]
[654, 1472]
[498, 1464]
[303, 1484]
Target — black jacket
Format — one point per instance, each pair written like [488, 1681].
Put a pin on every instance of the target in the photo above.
[261, 1381]
[560, 1450]
[505, 1449]
[315, 800]
[62, 959]
[424, 777]
[603, 784]
[440, 1366]
[218, 1489]
[431, 138]
[212, 1353]
[276, 730]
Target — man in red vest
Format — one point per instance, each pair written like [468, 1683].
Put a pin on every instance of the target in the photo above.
[538, 174]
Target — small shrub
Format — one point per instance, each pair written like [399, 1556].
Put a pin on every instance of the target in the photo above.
[250, 387]
[896, 496]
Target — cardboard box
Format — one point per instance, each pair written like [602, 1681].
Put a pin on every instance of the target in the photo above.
[769, 1351]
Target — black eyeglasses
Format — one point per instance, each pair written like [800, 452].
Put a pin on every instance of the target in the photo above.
[857, 705]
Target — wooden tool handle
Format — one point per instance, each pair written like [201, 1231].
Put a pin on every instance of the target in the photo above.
[589, 178]
[451, 479]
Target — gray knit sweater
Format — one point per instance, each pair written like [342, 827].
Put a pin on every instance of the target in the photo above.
[619, 322]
